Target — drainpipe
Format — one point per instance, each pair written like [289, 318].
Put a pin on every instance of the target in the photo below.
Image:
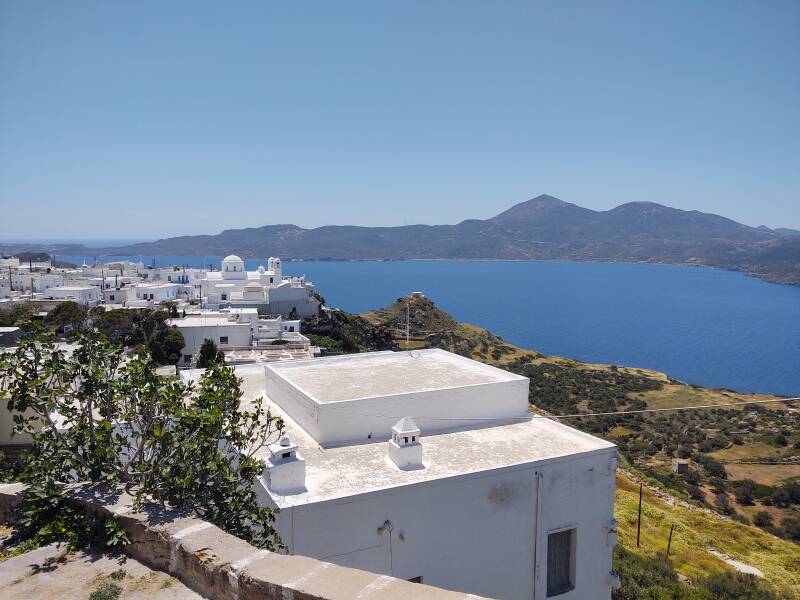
[536, 535]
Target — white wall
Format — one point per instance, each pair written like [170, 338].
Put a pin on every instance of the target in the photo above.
[338, 423]
[238, 334]
[475, 533]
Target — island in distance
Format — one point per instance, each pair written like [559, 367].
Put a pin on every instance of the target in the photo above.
[543, 228]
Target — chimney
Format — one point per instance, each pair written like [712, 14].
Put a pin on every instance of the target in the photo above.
[405, 448]
[285, 470]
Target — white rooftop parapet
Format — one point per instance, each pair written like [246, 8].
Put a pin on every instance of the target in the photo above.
[357, 398]
[405, 447]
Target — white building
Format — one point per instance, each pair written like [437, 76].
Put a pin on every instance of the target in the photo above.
[265, 288]
[86, 295]
[237, 329]
[147, 295]
[428, 466]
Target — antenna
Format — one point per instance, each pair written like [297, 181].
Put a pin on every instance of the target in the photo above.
[408, 322]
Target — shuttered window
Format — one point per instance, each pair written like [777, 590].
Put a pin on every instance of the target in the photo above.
[560, 568]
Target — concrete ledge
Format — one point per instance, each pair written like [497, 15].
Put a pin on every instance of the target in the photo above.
[221, 566]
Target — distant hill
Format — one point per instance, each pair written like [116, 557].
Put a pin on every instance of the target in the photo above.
[542, 228]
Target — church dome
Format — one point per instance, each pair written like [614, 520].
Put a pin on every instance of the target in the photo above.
[231, 258]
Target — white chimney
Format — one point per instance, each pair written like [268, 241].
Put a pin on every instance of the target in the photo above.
[405, 448]
[284, 470]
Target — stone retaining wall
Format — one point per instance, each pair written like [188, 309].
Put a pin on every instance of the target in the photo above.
[221, 566]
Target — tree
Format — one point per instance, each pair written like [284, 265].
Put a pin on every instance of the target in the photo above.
[165, 345]
[67, 316]
[209, 355]
[18, 315]
[791, 528]
[762, 519]
[98, 416]
[743, 491]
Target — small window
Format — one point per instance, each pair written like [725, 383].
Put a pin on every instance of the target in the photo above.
[270, 279]
[406, 439]
[413, 438]
[223, 339]
[111, 297]
[224, 296]
[286, 454]
[560, 562]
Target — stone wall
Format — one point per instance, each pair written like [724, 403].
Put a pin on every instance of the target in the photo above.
[221, 566]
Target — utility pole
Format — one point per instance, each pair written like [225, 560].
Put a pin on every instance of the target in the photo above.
[669, 543]
[639, 520]
[408, 324]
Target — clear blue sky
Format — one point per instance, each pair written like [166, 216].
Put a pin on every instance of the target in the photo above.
[149, 119]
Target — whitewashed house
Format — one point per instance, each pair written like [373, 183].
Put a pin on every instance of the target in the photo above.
[428, 466]
[234, 329]
[87, 295]
[265, 288]
[148, 295]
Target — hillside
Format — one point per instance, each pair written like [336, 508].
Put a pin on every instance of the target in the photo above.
[541, 228]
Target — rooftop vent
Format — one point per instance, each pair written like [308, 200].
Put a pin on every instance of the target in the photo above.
[285, 470]
[405, 448]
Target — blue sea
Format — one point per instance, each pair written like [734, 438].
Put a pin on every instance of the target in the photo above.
[699, 325]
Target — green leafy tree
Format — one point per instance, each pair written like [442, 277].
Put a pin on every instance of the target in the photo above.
[165, 345]
[18, 315]
[209, 355]
[67, 317]
[98, 416]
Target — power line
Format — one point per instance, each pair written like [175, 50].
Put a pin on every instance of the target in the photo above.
[580, 415]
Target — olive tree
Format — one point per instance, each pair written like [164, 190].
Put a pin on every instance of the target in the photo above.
[99, 415]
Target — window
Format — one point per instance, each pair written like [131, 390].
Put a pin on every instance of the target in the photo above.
[286, 454]
[413, 438]
[223, 339]
[270, 279]
[111, 297]
[560, 562]
[406, 439]
[187, 358]
[224, 296]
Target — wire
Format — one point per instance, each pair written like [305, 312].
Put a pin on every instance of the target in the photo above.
[580, 415]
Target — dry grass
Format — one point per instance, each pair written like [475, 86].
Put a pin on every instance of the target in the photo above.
[766, 474]
[696, 532]
[745, 452]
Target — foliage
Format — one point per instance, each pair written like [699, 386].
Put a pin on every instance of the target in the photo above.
[644, 578]
[353, 332]
[68, 317]
[762, 519]
[166, 345]
[209, 355]
[324, 341]
[18, 315]
[95, 416]
[107, 591]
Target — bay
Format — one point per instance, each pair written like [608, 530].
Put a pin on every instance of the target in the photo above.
[704, 326]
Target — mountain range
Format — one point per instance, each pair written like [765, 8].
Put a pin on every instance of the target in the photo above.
[541, 228]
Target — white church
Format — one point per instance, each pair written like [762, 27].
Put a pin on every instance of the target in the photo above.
[234, 287]
[427, 466]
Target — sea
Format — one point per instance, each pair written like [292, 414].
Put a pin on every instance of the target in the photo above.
[703, 326]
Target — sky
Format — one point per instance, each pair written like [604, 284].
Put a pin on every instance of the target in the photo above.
[142, 120]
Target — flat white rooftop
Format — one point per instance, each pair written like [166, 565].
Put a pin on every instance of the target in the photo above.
[357, 398]
[373, 374]
[340, 472]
